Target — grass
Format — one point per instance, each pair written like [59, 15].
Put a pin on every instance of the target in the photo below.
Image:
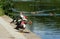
[1, 12]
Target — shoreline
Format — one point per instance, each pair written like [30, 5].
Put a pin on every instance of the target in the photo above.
[28, 34]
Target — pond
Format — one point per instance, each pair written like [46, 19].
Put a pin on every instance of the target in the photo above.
[46, 27]
[43, 26]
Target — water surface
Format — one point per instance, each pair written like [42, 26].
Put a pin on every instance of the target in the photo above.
[46, 27]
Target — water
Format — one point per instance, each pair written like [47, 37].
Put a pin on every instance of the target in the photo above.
[46, 27]
[23, 0]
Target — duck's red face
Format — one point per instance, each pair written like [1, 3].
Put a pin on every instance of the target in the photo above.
[26, 17]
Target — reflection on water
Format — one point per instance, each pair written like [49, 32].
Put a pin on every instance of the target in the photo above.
[23, 0]
[46, 27]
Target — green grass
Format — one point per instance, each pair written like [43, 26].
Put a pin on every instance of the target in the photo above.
[1, 12]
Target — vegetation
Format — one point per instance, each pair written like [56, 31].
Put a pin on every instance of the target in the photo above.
[6, 5]
[1, 12]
